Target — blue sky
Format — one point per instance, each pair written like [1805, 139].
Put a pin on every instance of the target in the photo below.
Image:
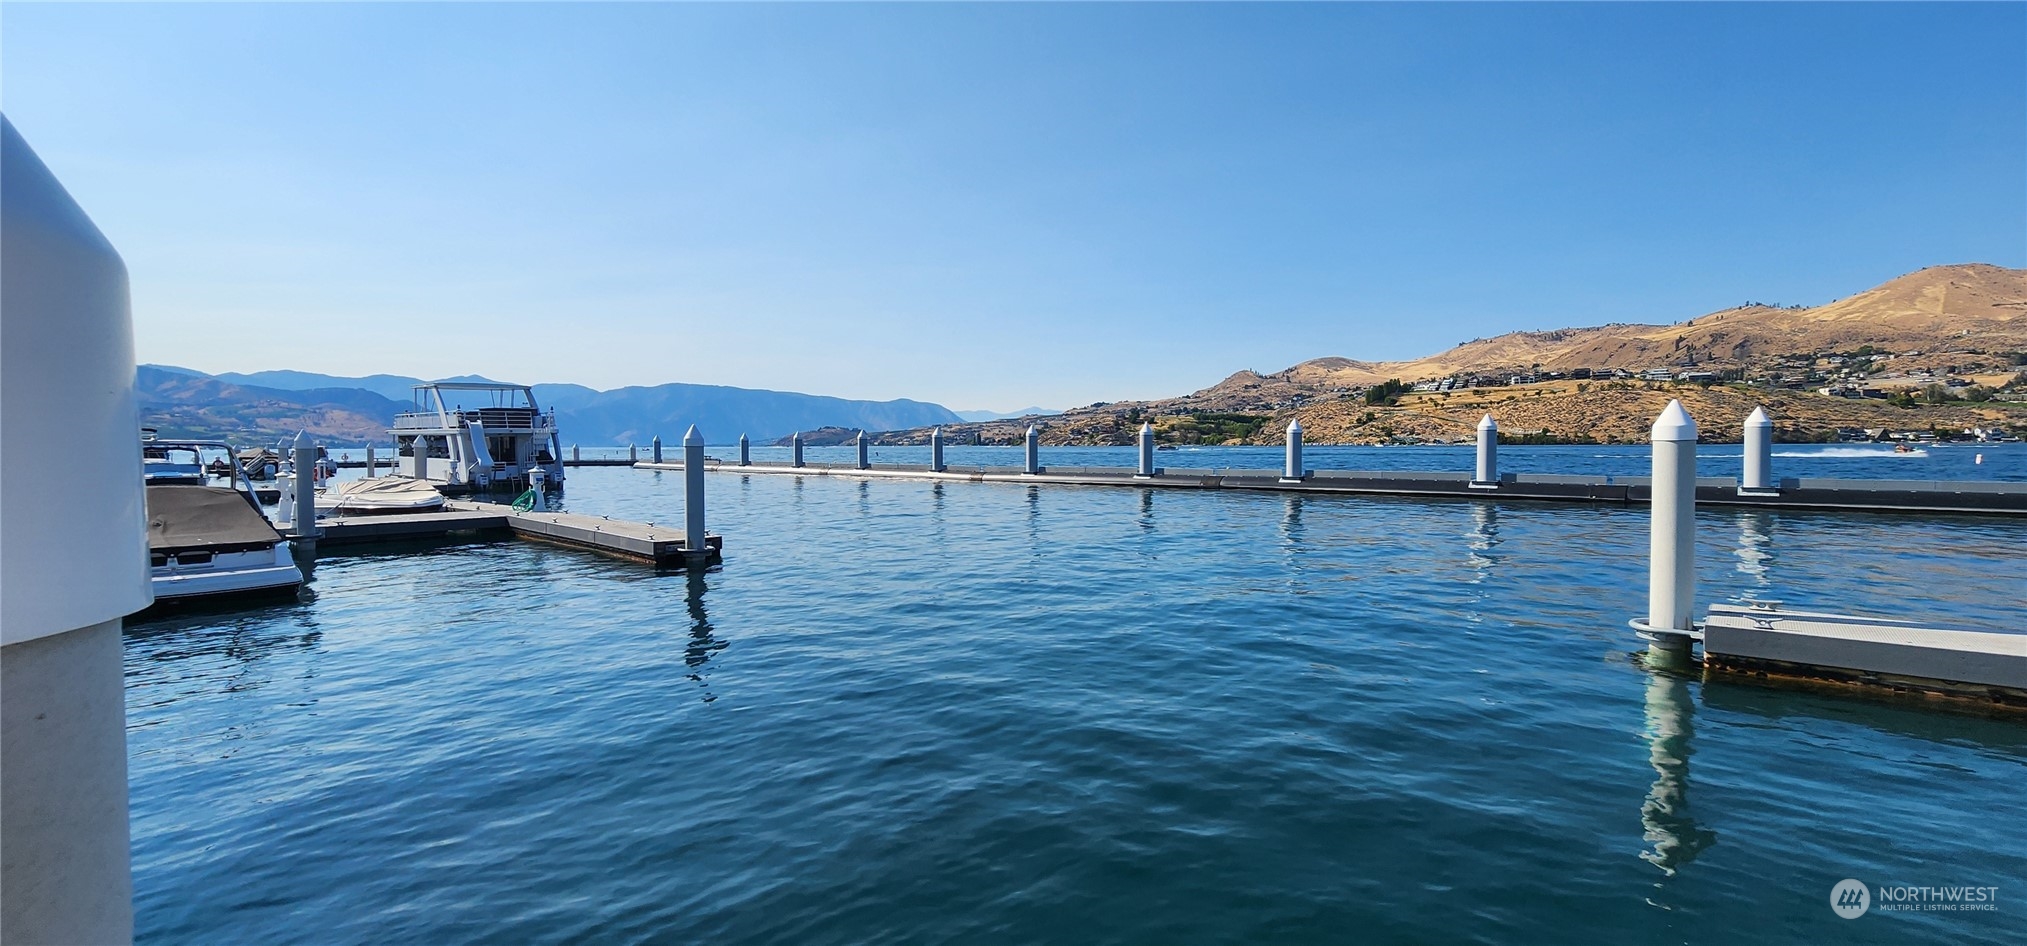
[1004, 205]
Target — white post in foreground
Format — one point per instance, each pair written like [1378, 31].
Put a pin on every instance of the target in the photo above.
[693, 499]
[863, 462]
[72, 570]
[795, 449]
[1034, 450]
[655, 448]
[1759, 450]
[936, 450]
[1292, 469]
[306, 484]
[1671, 552]
[1146, 450]
[745, 451]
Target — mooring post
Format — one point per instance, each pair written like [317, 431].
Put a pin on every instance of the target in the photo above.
[795, 449]
[745, 451]
[1671, 552]
[655, 448]
[863, 463]
[306, 485]
[632, 453]
[1488, 453]
[1292, 470]
[1146, 450]
[538, 483]
[695, 548]
[73, 568]
[1034, 451]
[369, 461]
[936, 450]
[574, 454]
[1759, 450]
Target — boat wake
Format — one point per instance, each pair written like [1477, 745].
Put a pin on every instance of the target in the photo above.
[1852, 452]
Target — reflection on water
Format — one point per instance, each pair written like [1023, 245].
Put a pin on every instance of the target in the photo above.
[1670, 828]
[1484, 536]
[701, 645]
[1756, 545]
[1146, 510]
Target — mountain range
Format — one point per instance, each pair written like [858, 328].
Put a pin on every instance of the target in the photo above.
[264, 406]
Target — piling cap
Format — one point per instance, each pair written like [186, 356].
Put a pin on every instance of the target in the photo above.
[935, 431]
[1487, 423]
[1294, 425]
[797, 436]
[693, 437]
[862, 435]
[303, 440]
[1147, 429]
[742, 438]
[1031, 430]
[1674, 424]
[1759, 418]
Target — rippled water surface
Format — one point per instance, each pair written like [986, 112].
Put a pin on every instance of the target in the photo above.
[912, 712]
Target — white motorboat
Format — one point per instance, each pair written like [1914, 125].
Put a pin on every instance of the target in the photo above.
[174, 461]
[494, 444]
[209, 541]
[380, 494]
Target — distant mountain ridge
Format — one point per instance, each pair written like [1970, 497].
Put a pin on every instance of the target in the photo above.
[1003, 415]
[262, 406]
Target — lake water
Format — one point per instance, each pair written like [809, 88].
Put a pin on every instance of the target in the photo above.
[916, 712]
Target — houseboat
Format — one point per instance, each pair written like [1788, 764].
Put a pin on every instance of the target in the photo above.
[464, 437]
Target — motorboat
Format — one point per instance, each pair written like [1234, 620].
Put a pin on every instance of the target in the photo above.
[260, 463]
[173, 461]
[379, 494]
[208, 541]
[496, 443]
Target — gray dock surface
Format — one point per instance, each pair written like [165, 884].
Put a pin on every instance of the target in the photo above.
[1827, 494]
[660, 546]
[1987, 666]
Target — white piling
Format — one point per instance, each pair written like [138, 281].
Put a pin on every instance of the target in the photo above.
[745, 451]
[1759, 450]
[575, 455]
[632, 453]
[693, 499]
[74, 566]
[1488, 452]
[306, 484]
[1671, 552]
[795, 449]
[1146, 450]
[369, 461]
[936, 449]
[863, 462]
[1034, 458]
[538, 483]
[655, 448]
[1292, 469]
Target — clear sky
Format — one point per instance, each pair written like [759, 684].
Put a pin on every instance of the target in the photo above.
[997, 206]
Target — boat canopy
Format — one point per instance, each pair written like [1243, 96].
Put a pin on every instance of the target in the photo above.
[205, 517]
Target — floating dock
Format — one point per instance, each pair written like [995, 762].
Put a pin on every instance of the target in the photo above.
[1826, 494]
[1763, 640]
[660, 546]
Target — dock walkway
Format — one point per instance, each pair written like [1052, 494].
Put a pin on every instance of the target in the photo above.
[660, 546]
[1826, 494]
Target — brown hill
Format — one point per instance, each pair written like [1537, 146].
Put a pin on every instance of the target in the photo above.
[1969, 319]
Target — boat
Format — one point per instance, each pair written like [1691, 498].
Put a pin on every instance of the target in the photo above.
[208, 541]
[1902, 448]
[260, 463]
[379, 494]
[495, 444]
[173, 461]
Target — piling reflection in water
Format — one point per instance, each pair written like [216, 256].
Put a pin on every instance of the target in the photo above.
[1671, 831]
[701, 646]
[1484, 536]
[1756, 546]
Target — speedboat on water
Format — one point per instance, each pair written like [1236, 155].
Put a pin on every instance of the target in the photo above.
[212, 541]
[380, 494]
[173, 461]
